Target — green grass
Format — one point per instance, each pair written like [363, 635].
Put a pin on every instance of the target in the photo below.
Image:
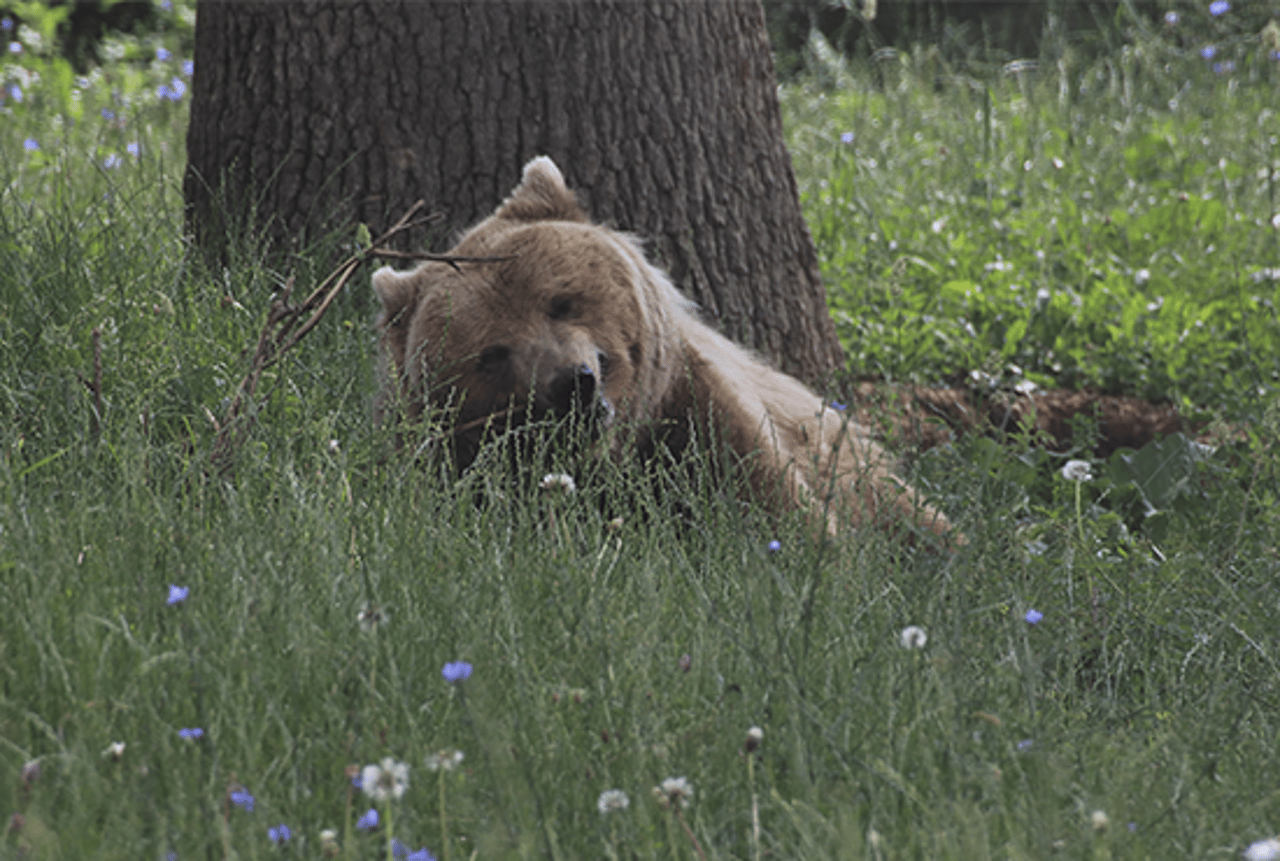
[617, 657]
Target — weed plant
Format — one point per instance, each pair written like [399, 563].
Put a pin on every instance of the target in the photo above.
[196, 664]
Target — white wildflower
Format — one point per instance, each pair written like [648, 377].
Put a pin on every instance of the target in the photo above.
[755, 736]
[612, 799]
[558, 481]
[444, 760]
[674, 790]
[1099, 820]
[1077, 470]
[913, 637]
[1263, 850]
[388, 780]
[114, 751]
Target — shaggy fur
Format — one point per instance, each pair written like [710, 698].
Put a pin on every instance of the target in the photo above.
[572, 317]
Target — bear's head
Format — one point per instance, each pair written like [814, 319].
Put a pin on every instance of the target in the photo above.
[563, 316]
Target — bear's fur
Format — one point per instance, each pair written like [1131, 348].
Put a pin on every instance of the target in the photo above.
[570, 316]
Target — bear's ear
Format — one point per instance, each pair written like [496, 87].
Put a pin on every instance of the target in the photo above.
[541, 196]
[399, 294]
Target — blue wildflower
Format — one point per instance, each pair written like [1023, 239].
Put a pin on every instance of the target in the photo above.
[421, 855]
[177, 594]
[847, 137]
[1208, 52]
[177, 89]
[192, 733]
[456, 671]
[1033, 616]
[108, 114]
[242, 798]
[1025, 744]
[279, 834]
[163, 55]
[166, 5]
[369, 820]
[133, 149]
[1219, 7]
[398, 849]
[1171, 18]
[6, 23]
[15, 47]
[188, 67]
[15, 92]
[162, 91]
[836, 405]
[111, 162]
[31, 145]
[775, 545]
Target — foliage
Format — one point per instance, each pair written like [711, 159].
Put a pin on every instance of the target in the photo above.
[195, 664]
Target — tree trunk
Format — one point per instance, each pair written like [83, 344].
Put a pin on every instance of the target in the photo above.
[664, 117]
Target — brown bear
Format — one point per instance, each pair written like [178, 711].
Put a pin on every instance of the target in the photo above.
[568, 316]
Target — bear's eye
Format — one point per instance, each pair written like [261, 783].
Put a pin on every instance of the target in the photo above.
[493, 357]
[562, 308]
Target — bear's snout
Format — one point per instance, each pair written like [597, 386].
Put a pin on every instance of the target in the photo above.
[574, 389]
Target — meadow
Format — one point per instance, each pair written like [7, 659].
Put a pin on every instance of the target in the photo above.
[330, 651]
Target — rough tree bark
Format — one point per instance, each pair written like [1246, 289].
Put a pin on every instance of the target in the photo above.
[663, 115]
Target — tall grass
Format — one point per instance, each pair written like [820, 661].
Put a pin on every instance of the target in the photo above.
[1098, 675]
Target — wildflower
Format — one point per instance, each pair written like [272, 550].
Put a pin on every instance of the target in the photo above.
[674, 790]
[1142, 276]
[1208, 52]
[1028, 164]
[242, 798]
[371, 616]
[6, 23]
[938, 225]
[163, 55]
[369, 820]
[686, 663]
[421, 855]
[390, 779]
[1219, 7]
[1099, 820]
[775, 546]
[1077, 470]
[188, 67]
[1263, 850]
[1025, 744]
[836, 405]
[398, 849]
[133, 149]
[177, 594]
[177, 89]
[612, 799]
[31, 145]
[31, 771]
[280, 834]
[113, 751]
[1033, 616]
[457, 671]
[333, 446]
[190, 734]
[15, 47]
[913, 637]
[443, 760]
[1171, 18]
[846, 138]
[755, 736]
[560, 482]
[329, 843]
[15, 92]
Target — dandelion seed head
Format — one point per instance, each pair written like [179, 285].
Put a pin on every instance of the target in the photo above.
[1077, 470]
[913, 637]
[755, 736]
[114, 751]
[444, 760]
[558, 482]
[1171, 18]
[388, 780]
[1099, 820]
[612, 799]
[674, 790]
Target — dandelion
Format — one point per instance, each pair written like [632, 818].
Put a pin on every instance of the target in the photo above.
[558, 482]
[674, 791]
[369, 820]
[775, 546]
[1099, 820]
[1033, 616]
[371, 616]
[1263, 850]
[242, 798]
[177, 594]
[31, 145]
[913, 637]
[755, 736]
[1077, 470]
[280, 834]
[612, 799]
[443, 760]
[389, 780]
[113, 751]
[1219, 7]
[190, 734]
[456, 671]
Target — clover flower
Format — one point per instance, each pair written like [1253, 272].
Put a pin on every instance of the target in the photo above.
[561, 482]
[913, 637]
[612, 799]
[369, 820]
[177, 594]
[1077, 470]
[443, 760]
[1263, 850]
[755, 736]
[389, 780]
[279, 834]
[242, 798]
[1033, 616]
[673, 791]
[456, 671]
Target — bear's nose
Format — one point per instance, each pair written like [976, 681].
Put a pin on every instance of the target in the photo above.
[572, 388]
